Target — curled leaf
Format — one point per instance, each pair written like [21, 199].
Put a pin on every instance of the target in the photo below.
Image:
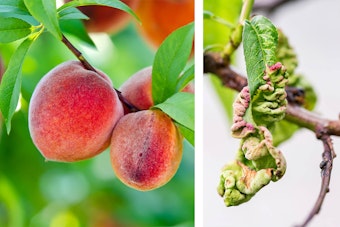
[269, 103]
[239, 183]
[257, 162]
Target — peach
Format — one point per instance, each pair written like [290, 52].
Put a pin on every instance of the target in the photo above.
[137, 90]
[106, 19]
[160, 18]
[146, 149]
[72, 113]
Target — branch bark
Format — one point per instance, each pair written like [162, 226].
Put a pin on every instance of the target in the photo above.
[326, 169]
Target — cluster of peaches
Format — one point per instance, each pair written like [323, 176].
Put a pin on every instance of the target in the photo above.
[75, 114]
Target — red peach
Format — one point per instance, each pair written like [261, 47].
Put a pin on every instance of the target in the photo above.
[72, 113]
[137, 90]
[146, 149]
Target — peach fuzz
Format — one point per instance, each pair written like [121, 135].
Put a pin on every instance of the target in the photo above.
[146, 149]
[72, 113]
[137, 90]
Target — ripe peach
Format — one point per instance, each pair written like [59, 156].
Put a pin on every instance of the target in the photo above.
[160, 18]
[72, 113]
[106, 19]
[138, 89]
[146, 149]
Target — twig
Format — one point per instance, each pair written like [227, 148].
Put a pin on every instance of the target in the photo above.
[326, 169]
[78, 54]
[323, 128]
[88, 66]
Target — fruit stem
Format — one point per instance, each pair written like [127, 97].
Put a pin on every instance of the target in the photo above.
[88, 66]
[78, 54]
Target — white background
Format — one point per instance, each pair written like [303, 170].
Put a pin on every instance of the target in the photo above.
[313, 29]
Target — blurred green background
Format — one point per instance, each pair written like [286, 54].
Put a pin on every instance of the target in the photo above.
[37, 193]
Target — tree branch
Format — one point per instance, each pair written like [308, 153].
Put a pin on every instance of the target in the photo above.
[326, 169]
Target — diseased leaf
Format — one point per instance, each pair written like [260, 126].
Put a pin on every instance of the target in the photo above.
[111, 3]
[12, 29]
[11, 83]
[170, 60]
[260, 39]
[181, 108]
[46, 13]
[186, 77]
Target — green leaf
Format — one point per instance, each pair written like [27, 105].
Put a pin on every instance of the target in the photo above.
[260, 40]
[19, 14]
[111, 3]
[11, 83]
[282, 131]
[170, 60]
[13, 4]
[72, 13]
[181, 108]
[76, 28]
[188, 134]
[16, 9]
[186, 77]
[12, 29]
[46, 13]
[217, 34]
